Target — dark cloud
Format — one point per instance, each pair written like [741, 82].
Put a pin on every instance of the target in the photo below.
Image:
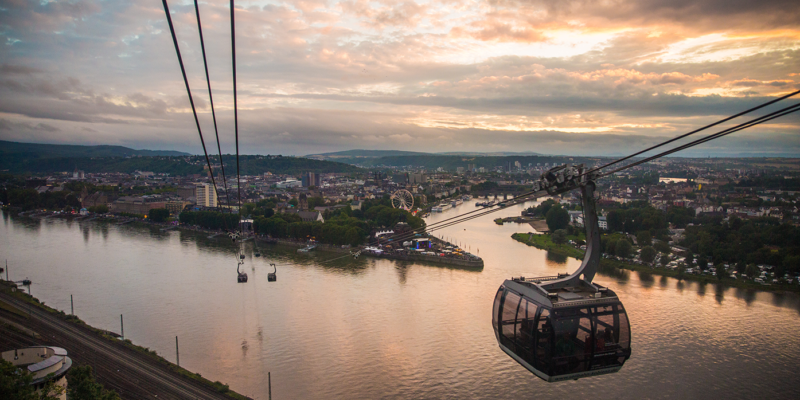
[7, 69]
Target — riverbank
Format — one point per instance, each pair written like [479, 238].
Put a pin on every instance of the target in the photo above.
[475, 263]
[133, 371]
[543, 242]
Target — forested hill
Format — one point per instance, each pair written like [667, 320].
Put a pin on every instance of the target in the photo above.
[249, 165]
[38, 150]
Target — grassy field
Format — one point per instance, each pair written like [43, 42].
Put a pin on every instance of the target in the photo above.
[543, 242]
[607, 265]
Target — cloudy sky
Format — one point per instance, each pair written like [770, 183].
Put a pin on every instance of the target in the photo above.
[557, 77]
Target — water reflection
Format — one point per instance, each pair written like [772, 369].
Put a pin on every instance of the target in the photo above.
[646, 279]
[719, 293]
[622, 275]
[555, 259]
[778, 299]
[377, 328]
[402, 272]
[701, 288]
[31, 224]
[746, 294]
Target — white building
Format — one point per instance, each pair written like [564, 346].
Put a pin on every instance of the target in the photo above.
[205, 194]
[44, 363]
[289, 183]
[602, 223]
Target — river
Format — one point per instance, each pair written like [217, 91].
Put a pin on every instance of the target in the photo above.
[368, 328]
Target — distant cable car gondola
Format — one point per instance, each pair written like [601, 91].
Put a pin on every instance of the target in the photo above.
[564, 327]
[241, 275]
[272, 276]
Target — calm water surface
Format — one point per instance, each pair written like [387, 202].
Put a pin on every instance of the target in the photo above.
[366, 328]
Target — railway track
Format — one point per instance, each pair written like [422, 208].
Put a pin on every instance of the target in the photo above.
[123, 367]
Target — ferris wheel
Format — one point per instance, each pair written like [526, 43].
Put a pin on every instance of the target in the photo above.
[403, 199]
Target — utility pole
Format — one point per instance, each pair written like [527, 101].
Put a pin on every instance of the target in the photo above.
[177, 353]
[269, 381]
[71, 306]
[122, 327]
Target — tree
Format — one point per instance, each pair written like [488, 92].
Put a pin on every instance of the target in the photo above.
[690, 258]
[681, 270]
[615, 220]
[643, 238]
[99, 209]
[559, 236]
[15, 383]
[721, 272]
[751, 271]
[702, 262]
[648, 254]
[607, 245]
[665, 259]
[81, 385]
[623, 248]
[315, 201]
[680, 216]
[792, 264]
[158, 214]
[662, 247]
[557, 218]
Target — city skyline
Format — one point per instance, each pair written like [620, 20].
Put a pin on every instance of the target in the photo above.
[575, 78]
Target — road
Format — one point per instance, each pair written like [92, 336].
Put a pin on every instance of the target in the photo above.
[133, 375]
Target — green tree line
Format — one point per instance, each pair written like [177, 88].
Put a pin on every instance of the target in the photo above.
[210, 219]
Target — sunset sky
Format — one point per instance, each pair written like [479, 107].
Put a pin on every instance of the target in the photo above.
[554, 77]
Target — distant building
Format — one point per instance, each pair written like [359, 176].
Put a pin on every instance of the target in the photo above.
[185, 192]
[302, 202]
[47, 364]
[311, 179]
[307, 216]
[94, 199]
[289, 183]
[77, 174]
[400, 179]
[176, 207]
[416, 179]
[137, 204]
[602, 223]
[205, 195]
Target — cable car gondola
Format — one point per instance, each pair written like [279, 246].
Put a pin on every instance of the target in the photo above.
[273, 276]
[241, 275]
[564, 327]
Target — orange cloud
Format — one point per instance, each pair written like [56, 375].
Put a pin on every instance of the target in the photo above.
[499, 32]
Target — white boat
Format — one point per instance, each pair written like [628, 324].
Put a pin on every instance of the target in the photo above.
[307, 248]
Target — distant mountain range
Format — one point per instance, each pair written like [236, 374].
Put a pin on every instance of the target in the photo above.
[38, 150]
[358, 153]
[34, 158]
